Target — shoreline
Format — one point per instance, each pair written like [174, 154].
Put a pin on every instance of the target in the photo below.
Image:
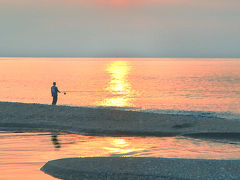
[109, 122]
[142, 168]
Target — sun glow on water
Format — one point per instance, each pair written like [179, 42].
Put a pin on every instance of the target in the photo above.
[163, 84]
[119, 71]
[120, 146]
[120, 142]
[118, 86]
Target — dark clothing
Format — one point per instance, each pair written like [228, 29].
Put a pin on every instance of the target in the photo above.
[54, 91]
[54, 102]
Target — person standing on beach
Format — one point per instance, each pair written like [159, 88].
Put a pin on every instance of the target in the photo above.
[54, 91]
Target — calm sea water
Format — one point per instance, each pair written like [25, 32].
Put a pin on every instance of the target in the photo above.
[188, 86]
[23, 154]
[194, 86]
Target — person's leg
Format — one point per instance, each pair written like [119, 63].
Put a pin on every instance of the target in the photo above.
[54, 100]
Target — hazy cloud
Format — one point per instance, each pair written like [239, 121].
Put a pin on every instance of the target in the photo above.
[153, 28]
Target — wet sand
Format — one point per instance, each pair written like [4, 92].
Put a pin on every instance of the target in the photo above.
[132, 168]
[82, 120]
[106, 122]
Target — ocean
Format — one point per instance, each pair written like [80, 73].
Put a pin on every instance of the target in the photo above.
[190, 86]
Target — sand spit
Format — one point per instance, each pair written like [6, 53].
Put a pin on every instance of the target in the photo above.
[132, 168]
[83, 120]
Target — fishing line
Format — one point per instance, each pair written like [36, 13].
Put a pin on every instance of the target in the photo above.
[65, 92]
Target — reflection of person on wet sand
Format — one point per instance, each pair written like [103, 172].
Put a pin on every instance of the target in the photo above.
[55, 140]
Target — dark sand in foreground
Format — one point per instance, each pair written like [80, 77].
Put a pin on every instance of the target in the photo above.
[81, 120]
[136, 168]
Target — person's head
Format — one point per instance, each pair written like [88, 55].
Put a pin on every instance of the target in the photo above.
[54, 83]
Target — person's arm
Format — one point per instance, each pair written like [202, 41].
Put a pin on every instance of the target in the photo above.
[58, 90]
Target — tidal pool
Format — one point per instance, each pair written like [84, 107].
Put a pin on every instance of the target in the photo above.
[23, 154]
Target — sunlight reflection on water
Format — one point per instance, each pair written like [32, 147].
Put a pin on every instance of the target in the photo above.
[119, 88]
[25, 153]
[161, 84]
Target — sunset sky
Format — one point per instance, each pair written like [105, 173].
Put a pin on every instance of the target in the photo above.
[120, 28]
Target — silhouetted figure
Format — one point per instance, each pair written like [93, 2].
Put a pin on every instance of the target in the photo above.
[54, 91]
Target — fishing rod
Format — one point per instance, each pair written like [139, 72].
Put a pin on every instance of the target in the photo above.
[65, 92]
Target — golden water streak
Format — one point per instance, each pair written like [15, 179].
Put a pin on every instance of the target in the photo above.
[118, 86]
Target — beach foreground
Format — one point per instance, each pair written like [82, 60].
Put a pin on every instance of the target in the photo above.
[93, 121]
[142, 168]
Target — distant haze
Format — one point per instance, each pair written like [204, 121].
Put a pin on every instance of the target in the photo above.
[120, 28]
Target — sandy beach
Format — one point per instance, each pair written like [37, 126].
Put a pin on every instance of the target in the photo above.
[106, 122]
[132, 168]
[93, 121]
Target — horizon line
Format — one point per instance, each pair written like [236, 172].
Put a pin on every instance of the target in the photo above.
[94, 57]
